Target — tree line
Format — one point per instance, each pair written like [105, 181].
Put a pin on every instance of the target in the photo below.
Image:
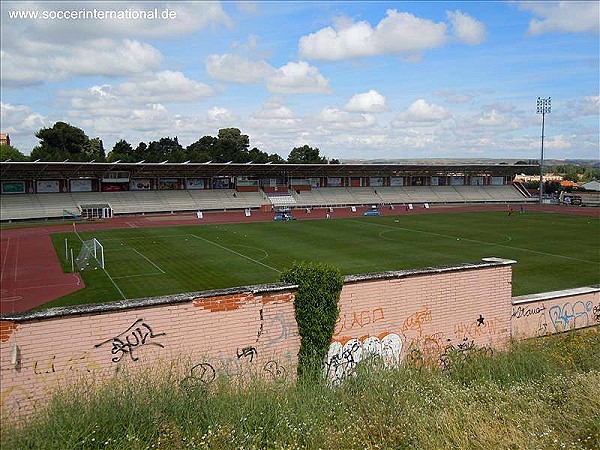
[65, 142]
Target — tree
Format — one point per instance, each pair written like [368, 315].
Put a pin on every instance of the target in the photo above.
[122, 151]
[166, 149]
[95, 150]
[139, 154]
[276, 159]
[64, 141]
[232, 145]
[8, 152]
[203, 150]
[306, 155]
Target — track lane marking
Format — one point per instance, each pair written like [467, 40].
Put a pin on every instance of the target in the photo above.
[4, 260]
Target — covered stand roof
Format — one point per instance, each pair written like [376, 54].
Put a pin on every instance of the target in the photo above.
[62, 170]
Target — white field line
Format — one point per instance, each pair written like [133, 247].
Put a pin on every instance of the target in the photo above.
[114, 284]
[478, 242]
[147, 259]
[143, 237]
[239, 254]
[107, 274]
[4, 260]
[138, 275]
[17, 258]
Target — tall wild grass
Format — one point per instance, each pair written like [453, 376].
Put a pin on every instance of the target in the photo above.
[540, 394]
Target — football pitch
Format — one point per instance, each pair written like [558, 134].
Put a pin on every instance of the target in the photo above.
[554, 251]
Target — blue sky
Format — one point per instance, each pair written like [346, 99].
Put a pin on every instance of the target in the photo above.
[356, 79]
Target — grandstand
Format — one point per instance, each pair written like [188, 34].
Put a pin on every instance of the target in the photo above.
[42, 190]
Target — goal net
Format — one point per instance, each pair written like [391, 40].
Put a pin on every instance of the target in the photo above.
[91, 255]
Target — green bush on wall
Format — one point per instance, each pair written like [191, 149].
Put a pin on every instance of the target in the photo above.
[316, 306]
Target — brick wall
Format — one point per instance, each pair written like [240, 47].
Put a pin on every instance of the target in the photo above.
[229, 332]
[555, 312]
[418, 316]
[251, 331]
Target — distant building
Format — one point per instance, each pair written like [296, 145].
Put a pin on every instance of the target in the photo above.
[4, 139]
[591, 186]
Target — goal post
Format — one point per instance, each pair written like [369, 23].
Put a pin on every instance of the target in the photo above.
[91, 254]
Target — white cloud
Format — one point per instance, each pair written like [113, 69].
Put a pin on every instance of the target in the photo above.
[421, 111]
[274, 110]
[588, 106]
[291, 78]
[559, 142]
[492, 119]
[396, 33]
[466, 28]
[33, 63]
[298, 78]
[123, 100]
[563, 17]
[166, 86]
[221, 115]
[338, 119]
[20, 119]
[237, 69]
[371, 101]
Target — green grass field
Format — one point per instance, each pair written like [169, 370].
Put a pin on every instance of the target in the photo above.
[553, 251]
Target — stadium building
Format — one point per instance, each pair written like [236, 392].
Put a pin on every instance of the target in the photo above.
[43, 190]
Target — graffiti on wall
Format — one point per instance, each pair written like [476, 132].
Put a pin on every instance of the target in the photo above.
[342, 360]
[425, 350]
[542, 319]
[281, 327]
[417, 320]
[479, 327]
[570, 316]
[357, 319]
[137, 335]
[247, 352]
[459, 353]
[519, 312]
[200, 375]
[276, 370]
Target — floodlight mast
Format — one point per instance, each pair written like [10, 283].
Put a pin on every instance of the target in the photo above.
[543, 108]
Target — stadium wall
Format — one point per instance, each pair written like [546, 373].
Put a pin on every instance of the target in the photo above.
[555, 312]
[251, 331]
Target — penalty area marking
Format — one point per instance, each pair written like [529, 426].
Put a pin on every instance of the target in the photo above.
[431, 233]
[239, 254]
[147, 259]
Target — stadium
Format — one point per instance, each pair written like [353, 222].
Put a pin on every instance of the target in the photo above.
[168, 243]
[427, 282]
[84, 192]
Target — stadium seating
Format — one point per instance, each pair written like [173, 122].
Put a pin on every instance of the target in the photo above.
[38, 206]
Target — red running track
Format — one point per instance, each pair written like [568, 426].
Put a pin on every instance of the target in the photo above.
[31, 275]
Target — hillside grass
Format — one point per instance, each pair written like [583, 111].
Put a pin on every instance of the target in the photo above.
[541, 394]
[553, 251]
